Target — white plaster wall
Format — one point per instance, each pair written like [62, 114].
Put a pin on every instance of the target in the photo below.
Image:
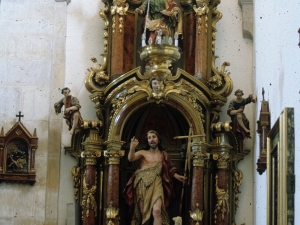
[31, 51]
[277, 70]
[232, 47]
[84, 40]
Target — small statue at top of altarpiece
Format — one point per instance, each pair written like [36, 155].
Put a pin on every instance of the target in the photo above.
[152, 187]
[71, 113]
[236, 112]
[164, 15]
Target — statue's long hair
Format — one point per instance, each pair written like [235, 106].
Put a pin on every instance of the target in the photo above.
[159, 139]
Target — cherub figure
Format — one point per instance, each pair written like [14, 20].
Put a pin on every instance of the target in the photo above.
[71, 113]
[157, 88]
[236, 112]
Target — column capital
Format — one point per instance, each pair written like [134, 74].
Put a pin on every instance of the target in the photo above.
[113, 156]
[90, 156]
[222, 159]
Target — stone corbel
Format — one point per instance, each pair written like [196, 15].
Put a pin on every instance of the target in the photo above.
[247, 14]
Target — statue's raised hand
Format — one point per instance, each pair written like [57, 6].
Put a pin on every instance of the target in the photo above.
[134, 143]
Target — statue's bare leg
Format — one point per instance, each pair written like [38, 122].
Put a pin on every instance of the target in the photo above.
[157, 212]
[75, 122]
[239, 118]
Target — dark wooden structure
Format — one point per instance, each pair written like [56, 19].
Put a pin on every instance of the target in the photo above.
[17, 154]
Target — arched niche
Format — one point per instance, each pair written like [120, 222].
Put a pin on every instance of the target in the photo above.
[171, 117]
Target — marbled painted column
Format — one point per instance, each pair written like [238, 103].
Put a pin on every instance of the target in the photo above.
[201, 10]
[113, 155]
[189, 42]
[197, 195]
[118, 11]
[92, 151]
[222, 195]
[220, 150]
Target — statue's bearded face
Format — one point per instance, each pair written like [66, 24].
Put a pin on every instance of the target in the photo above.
[153, 140]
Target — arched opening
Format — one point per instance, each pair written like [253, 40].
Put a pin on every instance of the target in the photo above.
[168, 122]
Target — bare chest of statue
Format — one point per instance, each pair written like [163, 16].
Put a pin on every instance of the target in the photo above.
[150, 159]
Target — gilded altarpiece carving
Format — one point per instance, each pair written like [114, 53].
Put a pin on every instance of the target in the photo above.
[190, 92]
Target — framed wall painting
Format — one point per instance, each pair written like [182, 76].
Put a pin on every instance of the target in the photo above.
[280, 172]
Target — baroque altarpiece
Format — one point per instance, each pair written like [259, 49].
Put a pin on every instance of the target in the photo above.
[187, 99]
